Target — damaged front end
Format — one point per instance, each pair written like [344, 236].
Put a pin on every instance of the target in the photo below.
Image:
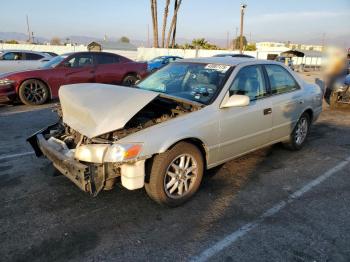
[95, 163]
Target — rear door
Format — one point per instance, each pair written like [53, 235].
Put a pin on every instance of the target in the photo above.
[243, 129]
[109, 69]
[287, 100]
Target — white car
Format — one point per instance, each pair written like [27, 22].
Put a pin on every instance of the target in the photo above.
[18, 60]
[189, 116]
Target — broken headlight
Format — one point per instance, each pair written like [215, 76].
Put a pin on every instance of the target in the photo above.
[122, 152]
[100, 153]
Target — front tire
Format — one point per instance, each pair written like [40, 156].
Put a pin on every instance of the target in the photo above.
[130, 80]
[300, 133]
[33, 92]
[175, 175]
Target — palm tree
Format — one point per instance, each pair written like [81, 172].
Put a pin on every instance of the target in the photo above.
[155, 23]
[200, 43]
[173, 21]
[165, 18]
[174, 31]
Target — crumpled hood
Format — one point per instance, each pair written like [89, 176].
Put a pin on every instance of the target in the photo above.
[95, 109]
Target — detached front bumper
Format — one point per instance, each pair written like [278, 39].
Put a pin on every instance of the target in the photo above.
[74, 170]
[77, 172]
[88, 176]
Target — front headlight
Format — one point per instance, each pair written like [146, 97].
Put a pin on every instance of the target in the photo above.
[6, 81]
[122, 152]
[100, 153]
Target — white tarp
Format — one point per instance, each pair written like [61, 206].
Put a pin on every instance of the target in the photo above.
[95, 109]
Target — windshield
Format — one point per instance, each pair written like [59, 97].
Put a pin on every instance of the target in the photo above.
[54, 62]
[157, 59]
[194, 81]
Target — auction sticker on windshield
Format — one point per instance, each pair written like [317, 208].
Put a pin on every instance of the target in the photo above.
[216, 67]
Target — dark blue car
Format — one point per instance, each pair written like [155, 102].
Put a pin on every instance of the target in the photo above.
[161, 61]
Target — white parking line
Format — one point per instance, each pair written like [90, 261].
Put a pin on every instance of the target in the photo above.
[234, 236]
[16, 155]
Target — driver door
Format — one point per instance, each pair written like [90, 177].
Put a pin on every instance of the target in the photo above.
[243, 129]
[79, 68]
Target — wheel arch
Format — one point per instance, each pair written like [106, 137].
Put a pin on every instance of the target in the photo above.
[192, 140]
[310, 113]
[133, 73]
[196, 142]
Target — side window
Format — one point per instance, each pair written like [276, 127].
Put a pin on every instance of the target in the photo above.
[82, 60]
[250, 82]
[31, 56]
[106, 59]
[281, 81]
[12, 56]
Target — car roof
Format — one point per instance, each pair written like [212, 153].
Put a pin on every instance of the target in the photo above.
[225, 60]
[230, 61]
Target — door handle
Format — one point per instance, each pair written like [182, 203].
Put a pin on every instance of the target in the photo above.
[267, 111]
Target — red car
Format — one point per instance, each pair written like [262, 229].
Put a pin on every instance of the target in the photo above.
[35, 87]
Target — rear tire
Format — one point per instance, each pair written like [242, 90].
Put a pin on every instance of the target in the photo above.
[130, 80]
[300, 133]
[175, 175]
[33, 92]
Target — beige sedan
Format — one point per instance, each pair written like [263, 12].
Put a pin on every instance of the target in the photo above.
[188, 117]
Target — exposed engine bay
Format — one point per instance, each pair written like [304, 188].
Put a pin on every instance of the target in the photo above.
[159, 110]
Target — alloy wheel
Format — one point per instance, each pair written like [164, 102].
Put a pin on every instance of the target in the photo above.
[301, 131]
[180, 176]
[35, 92]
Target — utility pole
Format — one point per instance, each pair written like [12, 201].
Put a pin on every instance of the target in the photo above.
[323, 41]
[228, 40]
[28, 30]
[243, 6]
[148, 44]
[234, 43]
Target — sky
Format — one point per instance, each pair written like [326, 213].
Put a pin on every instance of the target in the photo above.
[283, 20]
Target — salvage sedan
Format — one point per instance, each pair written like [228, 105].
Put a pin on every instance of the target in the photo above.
[188, 117]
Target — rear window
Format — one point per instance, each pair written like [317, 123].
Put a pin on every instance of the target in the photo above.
[281, 81]
[107, 59]
[31, 56]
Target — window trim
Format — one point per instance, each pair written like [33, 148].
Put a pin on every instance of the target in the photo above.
[269, 83]
[266, 82]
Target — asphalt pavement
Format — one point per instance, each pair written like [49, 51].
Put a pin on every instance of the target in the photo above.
[270, 205]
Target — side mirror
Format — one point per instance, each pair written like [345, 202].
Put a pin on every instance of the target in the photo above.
[235, 101]
[66, 64]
